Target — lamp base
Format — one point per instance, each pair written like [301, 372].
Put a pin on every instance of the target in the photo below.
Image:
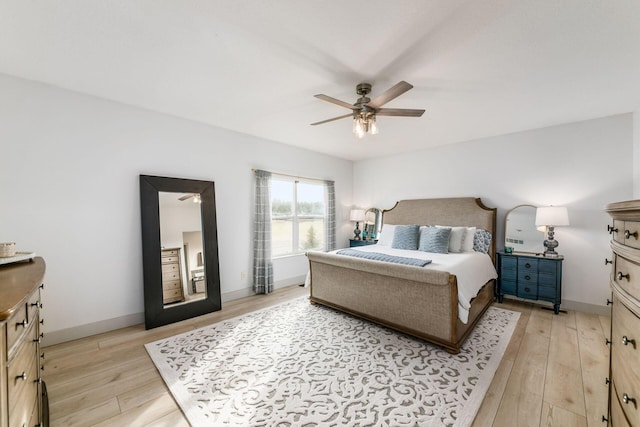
[356, 232]
[551, 244]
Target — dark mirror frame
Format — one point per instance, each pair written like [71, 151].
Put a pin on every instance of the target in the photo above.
[155, 312]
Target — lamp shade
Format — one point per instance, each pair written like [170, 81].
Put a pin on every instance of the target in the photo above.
[356, 215]
[553, 216]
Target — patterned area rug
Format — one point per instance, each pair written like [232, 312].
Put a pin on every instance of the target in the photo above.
[297, 364]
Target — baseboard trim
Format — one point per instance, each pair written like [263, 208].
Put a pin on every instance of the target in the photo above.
[600, 310]
[89, 329]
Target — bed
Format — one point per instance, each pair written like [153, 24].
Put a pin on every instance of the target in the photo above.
[419, 301]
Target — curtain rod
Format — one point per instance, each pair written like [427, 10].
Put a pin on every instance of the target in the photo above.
[293, 176]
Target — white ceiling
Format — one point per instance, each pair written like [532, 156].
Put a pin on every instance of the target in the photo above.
[480, 68]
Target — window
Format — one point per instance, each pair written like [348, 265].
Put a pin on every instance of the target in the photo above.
[297, 216]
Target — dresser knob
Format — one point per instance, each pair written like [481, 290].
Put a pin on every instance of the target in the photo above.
[527, 265]
[527, 277]
[607, 261]
[607, 381]
[38, 380]
[621, 276]
[626, 399]
[37, 340]
[628, 234]
[42, 356]
[604, 419]
[36, 304]
[23, 377]
[24, 323]
[42, 321]
[42, 286]
[609, 302]
[611, 230]
[626, 341]
[607, 341]
[527, 290]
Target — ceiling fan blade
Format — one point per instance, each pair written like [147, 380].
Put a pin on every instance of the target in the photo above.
[390, 94]
[330, 120]
[185, 197]
[406, 112]
[335, 101]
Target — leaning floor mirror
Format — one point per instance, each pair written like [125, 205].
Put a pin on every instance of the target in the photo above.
[179, 249]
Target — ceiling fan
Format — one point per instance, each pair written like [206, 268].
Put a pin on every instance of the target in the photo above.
[196, 197]
[364, 111]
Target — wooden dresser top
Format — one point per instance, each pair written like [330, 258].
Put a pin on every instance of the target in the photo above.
[17, 282]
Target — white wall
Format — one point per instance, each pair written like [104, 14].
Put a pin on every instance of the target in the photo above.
[69, 167]
[582, 165]
[636, 154]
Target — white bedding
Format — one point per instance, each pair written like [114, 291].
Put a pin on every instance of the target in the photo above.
[472, 269]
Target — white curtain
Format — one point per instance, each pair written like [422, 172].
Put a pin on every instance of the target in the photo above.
[262, 264]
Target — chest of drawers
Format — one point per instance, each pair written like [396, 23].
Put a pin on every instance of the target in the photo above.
[530, 277]
[22, 397]
[172, 290]
[624, 368]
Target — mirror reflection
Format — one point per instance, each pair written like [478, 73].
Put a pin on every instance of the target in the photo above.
[521, 233]
[372, 223]
[183, 273]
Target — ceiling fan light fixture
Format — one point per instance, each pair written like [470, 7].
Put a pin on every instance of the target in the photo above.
[364, 123]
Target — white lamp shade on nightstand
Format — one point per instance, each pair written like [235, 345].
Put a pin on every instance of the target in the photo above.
[356, 215]
[552, 216]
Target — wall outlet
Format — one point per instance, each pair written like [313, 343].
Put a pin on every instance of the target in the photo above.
[243, 275]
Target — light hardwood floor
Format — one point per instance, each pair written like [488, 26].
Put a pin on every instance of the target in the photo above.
[552, 373]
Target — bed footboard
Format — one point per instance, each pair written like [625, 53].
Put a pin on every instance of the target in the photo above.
[413, 300]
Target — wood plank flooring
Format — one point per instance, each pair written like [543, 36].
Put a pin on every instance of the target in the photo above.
[552, 373]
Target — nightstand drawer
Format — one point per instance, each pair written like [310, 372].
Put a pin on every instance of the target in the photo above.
[528, 291]
[509, 263]
[508, 286]
[546, 279]
[528, 276]
[547, 267]
[546, 292]
[528, 264]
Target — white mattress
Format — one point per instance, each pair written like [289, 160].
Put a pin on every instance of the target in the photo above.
[472, 269]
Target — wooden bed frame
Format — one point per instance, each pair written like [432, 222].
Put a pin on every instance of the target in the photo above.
[417, 301]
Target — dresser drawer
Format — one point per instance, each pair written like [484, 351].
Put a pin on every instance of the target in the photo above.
[16, 327]
[170, 252]
[168, 286]
[627, 275]
[23, 372]
[170, 259]
[170, 276]
[631, 234]
[528, 264]
[172, 295]
[509, 263]
[625, 359]
[618, 418]
[547, 292]
[167, 268]
[528, 277]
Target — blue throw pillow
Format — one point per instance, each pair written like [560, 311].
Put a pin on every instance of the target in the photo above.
[406, 237]
[482, 241]
[435, 239]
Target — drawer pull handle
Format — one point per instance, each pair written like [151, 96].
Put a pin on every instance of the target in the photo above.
[627, 399]
[628, 234]
[37, 340]
[42, 286]
[609, 302]
[607, 261]
[527, 265]
[605, 419]
[42, 356]
[23, 377]
[626, 341]
[621, 276]
[527, 277]
[37, 304]
[38, 380]
[607, 381]
[24, 323]
[42, 321]
[527, 290]
[607, 341]
[611, 230]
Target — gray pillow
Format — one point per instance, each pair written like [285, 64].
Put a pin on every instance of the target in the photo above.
[406, 237]
[435, 239]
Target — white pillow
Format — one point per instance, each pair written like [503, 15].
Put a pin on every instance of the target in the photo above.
[457, 239]
[385, 237]
[467, 242]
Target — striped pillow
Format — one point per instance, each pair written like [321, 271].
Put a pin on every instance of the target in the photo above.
[435, 239]
[406, 237]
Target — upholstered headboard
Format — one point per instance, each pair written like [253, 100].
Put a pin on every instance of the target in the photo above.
[455, 212]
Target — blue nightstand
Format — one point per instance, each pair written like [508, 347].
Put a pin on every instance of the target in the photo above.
[353, 243]
[530, 277]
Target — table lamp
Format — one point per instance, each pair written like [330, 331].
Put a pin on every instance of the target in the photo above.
[551, 217]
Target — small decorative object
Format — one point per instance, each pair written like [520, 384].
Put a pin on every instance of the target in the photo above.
[508, 249]
[551, 217]
[356, 215]
[7, 250]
